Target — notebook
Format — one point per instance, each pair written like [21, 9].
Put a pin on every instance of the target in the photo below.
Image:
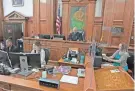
[69, 79]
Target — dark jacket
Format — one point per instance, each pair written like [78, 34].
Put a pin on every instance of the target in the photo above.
[74, 36]
[12, 49]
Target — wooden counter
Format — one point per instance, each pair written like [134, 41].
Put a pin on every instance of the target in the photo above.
[19, 83]
[118, 81]
[112, 49]
[61, 62]
[59, 47]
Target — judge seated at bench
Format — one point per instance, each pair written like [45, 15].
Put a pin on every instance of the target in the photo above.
[76, 35]
[119, 58]
[37, 49]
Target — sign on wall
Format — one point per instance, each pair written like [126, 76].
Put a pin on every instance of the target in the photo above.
[24, 7]
[17, 3]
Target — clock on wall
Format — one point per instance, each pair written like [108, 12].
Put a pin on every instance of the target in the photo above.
[17, 3]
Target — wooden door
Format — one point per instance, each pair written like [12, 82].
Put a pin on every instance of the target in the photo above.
[13, 30]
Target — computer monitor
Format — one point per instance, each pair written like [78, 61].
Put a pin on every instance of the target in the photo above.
[15, 59]
[26, 61]
[4, 58]
[33, 59]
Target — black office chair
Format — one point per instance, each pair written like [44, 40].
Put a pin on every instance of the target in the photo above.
[130, 63]
[20, 46]
[58, 36]
[47, 54]
[44, 36]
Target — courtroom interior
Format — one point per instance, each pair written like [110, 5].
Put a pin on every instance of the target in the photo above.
[67, 45]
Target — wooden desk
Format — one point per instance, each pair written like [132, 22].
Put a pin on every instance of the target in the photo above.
[18, 83]
[61, 62]
[107, 81]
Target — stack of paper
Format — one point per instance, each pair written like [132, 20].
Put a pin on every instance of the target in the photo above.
[69, 79]
[114, 71]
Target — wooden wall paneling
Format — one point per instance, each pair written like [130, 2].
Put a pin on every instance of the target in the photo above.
[103, 7]
[90, 18]
[49, 10]
[132, 37]
[1, 18]
[47, 14]
[128, 20]
[43, 17]
[97, 30]
[30, 27]
[119, 7]
[98, 23]
[53, 16]
[107, 21]
[65, 19]
[36, 17]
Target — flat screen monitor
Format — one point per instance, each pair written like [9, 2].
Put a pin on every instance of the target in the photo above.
[4, 58]
[15, 59]
[32, 59]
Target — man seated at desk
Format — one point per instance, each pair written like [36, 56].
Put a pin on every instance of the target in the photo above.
[119, 58]
[10, 47]
[37, 49]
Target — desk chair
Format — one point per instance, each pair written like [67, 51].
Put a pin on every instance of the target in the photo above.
[130, 63]
[47, 54]
[44, 36]
[20, 45]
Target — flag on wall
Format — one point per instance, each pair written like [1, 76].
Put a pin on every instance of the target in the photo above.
[58, 19]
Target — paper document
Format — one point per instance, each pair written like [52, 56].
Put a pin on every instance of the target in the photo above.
[114, 71]
[69, 79]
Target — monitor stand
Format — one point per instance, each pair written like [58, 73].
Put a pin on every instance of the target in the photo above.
[24, 66]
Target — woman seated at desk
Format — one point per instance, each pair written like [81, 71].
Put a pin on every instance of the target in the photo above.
[37, 49]
[119, 58]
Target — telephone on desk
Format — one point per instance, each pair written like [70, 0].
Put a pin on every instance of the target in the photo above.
[71, 56]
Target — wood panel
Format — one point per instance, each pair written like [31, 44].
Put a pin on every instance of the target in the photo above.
[90, 11]
[107, 20]
[1, 18]
[117, 13]
[65, 19]
[132, 37]
[128, 20]
[97, 30]
[43, 20]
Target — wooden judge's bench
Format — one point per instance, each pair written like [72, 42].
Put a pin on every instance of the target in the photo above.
[60, 47]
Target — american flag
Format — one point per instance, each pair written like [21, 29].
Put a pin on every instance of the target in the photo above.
[58, 20]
